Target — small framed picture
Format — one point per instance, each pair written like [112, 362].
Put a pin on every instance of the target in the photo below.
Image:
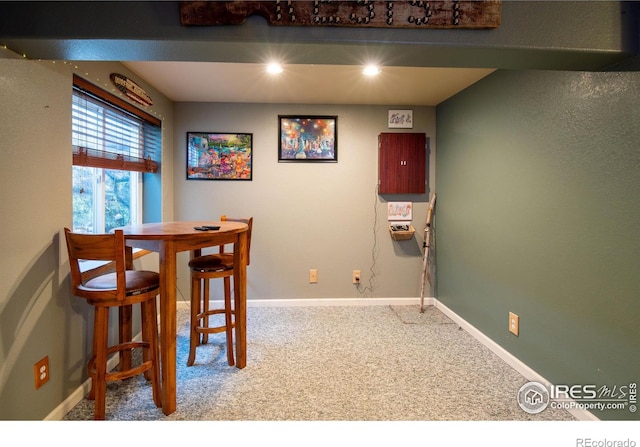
[219, 156]
[307, 138]
[400, 211]
[400, 119]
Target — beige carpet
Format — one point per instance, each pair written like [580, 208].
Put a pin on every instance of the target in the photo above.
[373, 363]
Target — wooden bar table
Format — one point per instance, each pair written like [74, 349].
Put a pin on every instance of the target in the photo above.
[167, 239]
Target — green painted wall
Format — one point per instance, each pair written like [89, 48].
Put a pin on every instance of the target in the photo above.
[538, 213]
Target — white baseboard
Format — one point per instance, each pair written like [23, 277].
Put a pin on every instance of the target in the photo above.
[314, 302]
[506, 356]
[67, 405]
[337, 302]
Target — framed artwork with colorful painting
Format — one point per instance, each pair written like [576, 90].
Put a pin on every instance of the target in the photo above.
[219, 156]
[305, 138]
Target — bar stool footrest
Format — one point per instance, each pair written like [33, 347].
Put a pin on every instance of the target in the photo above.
[128, 373]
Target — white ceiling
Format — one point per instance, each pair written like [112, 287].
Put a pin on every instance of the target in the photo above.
[305, 84]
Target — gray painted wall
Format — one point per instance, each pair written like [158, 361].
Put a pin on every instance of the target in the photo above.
[38, 315]
[538, 180]
[324, 216]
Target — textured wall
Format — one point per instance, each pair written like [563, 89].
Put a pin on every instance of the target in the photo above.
[38, 315]
[324, 216]
[538, 180]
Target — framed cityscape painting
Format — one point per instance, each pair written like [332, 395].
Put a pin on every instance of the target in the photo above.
[305, 138]
[219, 156]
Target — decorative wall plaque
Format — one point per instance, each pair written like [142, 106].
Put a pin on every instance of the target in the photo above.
[131, 89]
[402, 119]
[477, 14]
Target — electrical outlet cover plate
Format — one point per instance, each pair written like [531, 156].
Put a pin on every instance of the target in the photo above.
[41, 372]
[514, 323]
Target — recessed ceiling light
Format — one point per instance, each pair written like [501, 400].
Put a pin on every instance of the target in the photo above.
[274, 68]
[371, 70]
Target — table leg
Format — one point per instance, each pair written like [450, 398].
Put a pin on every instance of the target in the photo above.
[240, 297]
[168, 325]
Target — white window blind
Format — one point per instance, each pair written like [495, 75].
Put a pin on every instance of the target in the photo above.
[109, 133]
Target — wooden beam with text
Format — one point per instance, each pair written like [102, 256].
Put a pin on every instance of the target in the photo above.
[470, 14]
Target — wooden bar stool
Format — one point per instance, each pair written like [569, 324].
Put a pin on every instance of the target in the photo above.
[122, 288]
[203, 269]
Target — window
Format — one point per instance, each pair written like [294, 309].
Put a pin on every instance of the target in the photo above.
[114, 144]
[104, 199]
